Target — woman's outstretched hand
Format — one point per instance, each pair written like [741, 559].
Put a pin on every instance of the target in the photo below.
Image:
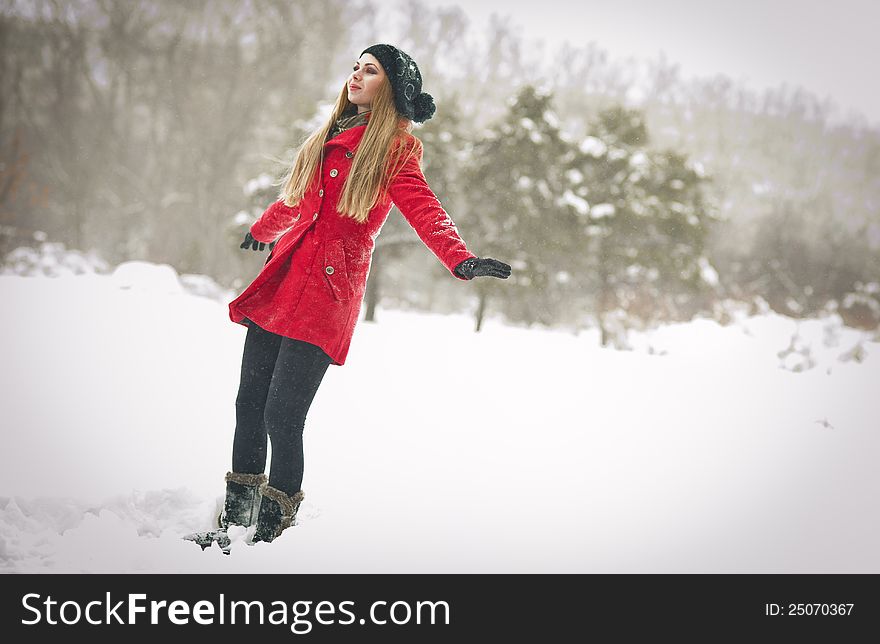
[482, 267]
[254, 244]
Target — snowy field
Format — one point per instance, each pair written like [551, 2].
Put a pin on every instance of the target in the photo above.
[705, 448]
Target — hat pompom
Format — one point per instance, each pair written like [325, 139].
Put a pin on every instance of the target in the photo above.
[423, 107]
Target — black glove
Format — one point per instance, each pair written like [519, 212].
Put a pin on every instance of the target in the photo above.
[482, 267]
[254, 244]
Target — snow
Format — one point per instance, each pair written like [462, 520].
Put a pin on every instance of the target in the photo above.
[708, 272]
[51, 259]
[703, 448]
[262, 182]
[551, 119]
[593, 146]
[863, 296]
[698, 168]
[524, 183]
[602, 210]
[640, 160]
[160, 278]
[575, 177]
[581, 206]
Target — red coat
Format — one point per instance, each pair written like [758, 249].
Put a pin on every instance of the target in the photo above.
[312, 285]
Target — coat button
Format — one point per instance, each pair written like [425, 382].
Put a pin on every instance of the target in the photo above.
[334, 172]
[329, 270]
[314, 217]
[349, 154]
[321, 192]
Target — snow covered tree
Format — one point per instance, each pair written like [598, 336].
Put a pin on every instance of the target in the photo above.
[514, 182]
[645, 219]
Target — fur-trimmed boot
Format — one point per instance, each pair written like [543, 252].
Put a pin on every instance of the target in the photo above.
[277, 512]
[240, 507]
[242, 504]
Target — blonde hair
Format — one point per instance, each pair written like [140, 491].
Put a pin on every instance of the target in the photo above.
[377, 162]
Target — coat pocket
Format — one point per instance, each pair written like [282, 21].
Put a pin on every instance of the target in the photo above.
[335, 270]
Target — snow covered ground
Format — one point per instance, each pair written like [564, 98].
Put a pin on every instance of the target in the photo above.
[437, 449]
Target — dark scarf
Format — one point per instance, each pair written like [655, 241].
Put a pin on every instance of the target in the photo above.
[349, 119]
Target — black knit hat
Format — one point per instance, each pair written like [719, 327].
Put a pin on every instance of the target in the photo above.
[406, 82]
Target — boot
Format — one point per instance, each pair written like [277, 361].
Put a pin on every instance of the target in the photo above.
[242, 503]
[277, 512]
[240, 507]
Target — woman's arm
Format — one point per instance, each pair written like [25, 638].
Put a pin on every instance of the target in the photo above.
[275, 220]
[422, 210]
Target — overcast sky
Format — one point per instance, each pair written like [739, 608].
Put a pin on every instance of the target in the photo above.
[825, 47]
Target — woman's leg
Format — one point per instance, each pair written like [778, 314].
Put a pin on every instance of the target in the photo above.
[299, 369]
[257, 365]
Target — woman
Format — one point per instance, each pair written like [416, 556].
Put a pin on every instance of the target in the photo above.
[302, 308]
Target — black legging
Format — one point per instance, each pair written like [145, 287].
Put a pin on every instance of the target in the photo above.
[279, 379]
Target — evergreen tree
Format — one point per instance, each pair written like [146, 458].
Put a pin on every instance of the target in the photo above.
[645, 223]
[515, 180]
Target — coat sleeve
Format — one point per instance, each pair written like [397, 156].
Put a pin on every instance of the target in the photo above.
[422, 210]
[275, 220]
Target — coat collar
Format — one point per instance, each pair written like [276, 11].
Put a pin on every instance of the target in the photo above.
[349, 138]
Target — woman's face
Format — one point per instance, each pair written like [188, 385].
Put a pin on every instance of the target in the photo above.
[363, 83]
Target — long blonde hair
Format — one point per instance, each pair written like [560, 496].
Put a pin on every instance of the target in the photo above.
[374, 166]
